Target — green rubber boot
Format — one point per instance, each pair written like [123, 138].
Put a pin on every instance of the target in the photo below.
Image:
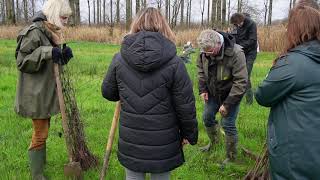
[37, 161]
[213, 136]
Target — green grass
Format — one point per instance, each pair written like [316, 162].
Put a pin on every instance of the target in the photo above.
[88, 68]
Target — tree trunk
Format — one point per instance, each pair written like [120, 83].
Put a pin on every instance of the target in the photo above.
[213, 13]
[3, 11]
[128, 16]
[111, 18]
[219, 13]
[137, 6]
[104, 12]
[190, 7]
[182, 12]
[25, 10]
[33, 8]
[208, 14]
[293, 3]
[89, 12]
[17, 11]
[265, 11]
[10, 12]
[118, 12]
[167, 9]
[94, 12]
[239, 6]
[202, 10]
[98, 12]
[270, 13]
[229, 11]
[224, 12]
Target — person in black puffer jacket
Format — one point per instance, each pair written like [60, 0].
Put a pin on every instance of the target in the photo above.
[158, 114]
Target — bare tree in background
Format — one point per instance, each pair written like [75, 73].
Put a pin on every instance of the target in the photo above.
[94, 12]
[89, 12]
[128, 14]
[104, 12]
[137, 6]
[10, 15]
[167, 11]
[33, 7]
[218, 23]
[188, 12]
[144, 3]
[208, 13]
[118, 12]
[111, 19]
[3, 11]
[182, 13]
[17, 11]
[265, 4]
[25, 10]
[202, 5]
[175, 12]
[229, 11]
[159, 4]
[224, 12]
[213, 12]
[239, 6]
[270, 12]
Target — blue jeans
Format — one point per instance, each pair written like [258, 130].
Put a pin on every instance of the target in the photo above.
[211, 108]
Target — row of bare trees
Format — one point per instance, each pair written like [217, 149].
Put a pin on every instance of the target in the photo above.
[213, 13]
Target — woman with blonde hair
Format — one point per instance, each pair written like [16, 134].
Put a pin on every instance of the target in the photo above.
[37, 50]
[158, 114]
[291, 89]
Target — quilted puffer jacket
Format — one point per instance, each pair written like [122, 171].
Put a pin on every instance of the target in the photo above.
[157, 103]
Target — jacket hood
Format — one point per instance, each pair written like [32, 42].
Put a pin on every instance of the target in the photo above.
[311, 49]
[147, 51]
[39, 16]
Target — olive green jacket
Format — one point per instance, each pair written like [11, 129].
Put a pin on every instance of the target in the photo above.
[224, 77]
[36, 95]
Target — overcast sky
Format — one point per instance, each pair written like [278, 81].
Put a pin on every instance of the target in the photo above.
[280, 8]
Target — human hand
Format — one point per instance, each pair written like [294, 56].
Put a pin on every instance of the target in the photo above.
[223, 111]
[185, 142]
[205, 97]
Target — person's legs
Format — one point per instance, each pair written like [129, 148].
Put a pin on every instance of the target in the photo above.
[250, 58]
[132, 175]
[229, 126]
[160, 176]
[211, 124]
[37, 148]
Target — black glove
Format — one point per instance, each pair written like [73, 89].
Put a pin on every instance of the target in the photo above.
[56, 55]
[67, 53]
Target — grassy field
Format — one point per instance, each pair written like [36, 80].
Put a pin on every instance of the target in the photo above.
[88, 68]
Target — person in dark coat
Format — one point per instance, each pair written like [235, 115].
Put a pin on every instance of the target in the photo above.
[222, 76]
[291, 89]
[158, 113]
[246, 36]
[36, 98]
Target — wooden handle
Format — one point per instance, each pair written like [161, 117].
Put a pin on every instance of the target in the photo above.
[62, 108]
[110, 140]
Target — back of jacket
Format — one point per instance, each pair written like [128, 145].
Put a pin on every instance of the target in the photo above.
[157, 103]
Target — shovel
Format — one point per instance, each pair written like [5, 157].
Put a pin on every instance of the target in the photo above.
[72, 169]
[110, 141]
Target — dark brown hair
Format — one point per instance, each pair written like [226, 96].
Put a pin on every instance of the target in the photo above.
[237, 18]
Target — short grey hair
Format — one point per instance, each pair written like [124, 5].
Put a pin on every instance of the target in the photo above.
[208, 38]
